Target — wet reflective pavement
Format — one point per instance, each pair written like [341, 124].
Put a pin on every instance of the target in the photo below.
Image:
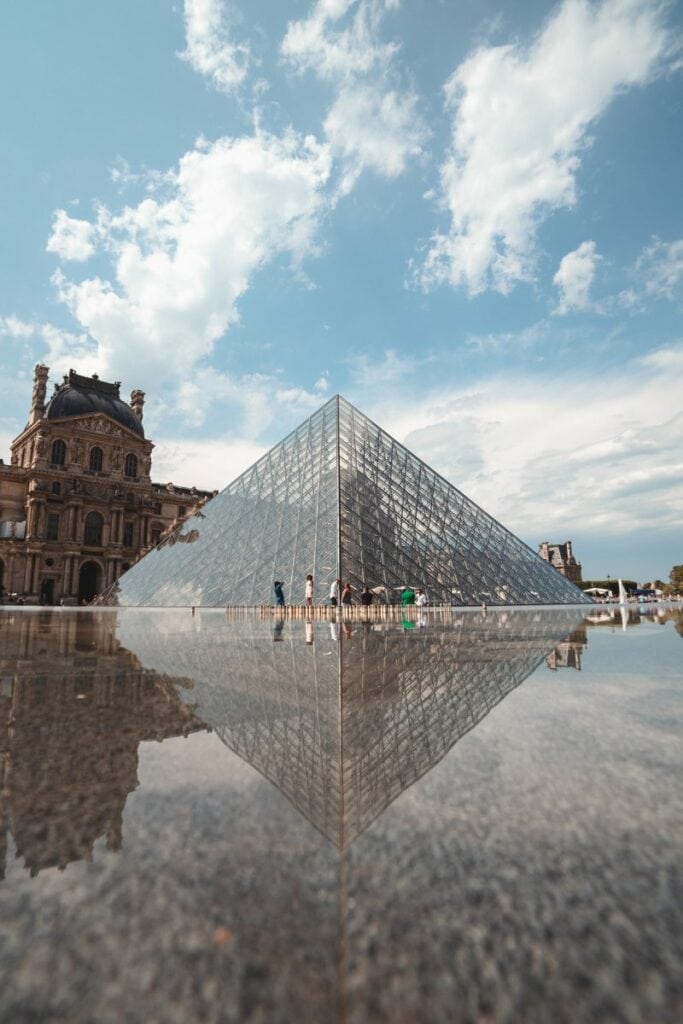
[459, 817]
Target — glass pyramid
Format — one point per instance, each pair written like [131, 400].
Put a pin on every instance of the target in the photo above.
[340, 498]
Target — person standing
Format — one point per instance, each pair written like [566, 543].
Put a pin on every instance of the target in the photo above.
[334, 593]
[309, 591]
[366, 596]
[421, 598]
[408, 596]
[279, 593]
[346, 594]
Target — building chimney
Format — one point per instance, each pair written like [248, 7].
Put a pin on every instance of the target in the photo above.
[39, 387]
[137, 401]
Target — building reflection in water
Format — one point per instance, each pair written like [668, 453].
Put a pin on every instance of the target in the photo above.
[346, 723]
[568, 654]
[74, 707]
[341, 716]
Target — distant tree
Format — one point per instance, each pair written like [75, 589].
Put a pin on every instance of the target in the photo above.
[676, 577]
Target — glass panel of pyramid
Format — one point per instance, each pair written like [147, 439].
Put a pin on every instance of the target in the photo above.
[340, 498]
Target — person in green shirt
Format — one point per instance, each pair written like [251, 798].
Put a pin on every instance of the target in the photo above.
[408, 596]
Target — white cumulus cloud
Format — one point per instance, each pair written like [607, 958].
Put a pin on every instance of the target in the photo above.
[372, 124]
[210, 50]
[600, 451]
[369, 127]
[183, 256]
[71, 238]
[209, 464]
[574, 278]
[520, 120]
[660, 268]
[318, 43]
[258, 398]
[12, 327]
[61, 348]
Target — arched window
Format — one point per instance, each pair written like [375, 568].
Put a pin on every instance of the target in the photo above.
[131, 466]
[58, 453]
[96, 459]
[92, 532]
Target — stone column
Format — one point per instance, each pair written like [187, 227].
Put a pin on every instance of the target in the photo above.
[40, 513]
[32, 519]
[73, 521]
[76, 524]
[36, 575]
[66, 573]
[74, 575]
[9, 572]
[28, 573]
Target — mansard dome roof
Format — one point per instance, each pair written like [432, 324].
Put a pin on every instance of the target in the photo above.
[85, 396]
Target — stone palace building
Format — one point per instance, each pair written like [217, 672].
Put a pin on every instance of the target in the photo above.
[561, 557]
[77, 503]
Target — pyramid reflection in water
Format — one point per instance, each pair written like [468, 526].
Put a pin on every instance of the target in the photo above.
[340, 498]
[343, 717]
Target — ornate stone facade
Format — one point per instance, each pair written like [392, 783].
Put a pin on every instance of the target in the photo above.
[77, 503]
[561, 558]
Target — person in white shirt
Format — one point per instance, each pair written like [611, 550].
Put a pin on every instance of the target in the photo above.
[334, 593]
[421, 598]
[309, 590]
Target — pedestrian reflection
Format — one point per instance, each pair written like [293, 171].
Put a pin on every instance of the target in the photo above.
[278, 626]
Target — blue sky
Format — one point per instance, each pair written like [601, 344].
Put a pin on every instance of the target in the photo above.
[465, 217]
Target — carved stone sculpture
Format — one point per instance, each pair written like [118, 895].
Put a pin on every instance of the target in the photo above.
[77, 450]
[39, 387]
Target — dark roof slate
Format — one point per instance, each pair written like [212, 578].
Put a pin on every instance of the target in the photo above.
[84, 396]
